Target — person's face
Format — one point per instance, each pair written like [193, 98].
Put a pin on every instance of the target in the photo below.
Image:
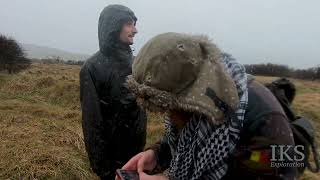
[179, 117]
[128, 32]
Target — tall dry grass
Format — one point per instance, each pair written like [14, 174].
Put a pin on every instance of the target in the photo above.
[40, 123]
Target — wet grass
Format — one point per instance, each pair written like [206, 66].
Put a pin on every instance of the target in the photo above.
[40, 123]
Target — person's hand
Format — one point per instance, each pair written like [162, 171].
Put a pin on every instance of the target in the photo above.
[144, 161]
[144, 176]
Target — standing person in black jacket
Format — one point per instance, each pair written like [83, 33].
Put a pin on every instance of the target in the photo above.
[114, 127]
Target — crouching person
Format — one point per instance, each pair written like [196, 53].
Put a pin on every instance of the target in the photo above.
[204, 94]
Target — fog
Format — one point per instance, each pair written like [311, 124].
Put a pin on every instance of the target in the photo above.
[282, 32]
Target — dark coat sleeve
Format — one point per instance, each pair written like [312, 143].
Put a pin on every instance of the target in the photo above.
[276, 128]
[96, 130]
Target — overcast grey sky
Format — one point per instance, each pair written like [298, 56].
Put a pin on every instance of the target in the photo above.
[253, 31]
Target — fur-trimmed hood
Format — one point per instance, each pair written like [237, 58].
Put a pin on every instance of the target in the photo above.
[180, 71]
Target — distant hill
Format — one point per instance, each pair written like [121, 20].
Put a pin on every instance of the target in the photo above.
[40, 52]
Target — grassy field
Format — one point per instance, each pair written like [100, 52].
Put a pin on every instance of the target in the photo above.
[40, 123]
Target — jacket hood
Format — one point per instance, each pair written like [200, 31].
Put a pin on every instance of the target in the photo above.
[111, 21]
[179, 71]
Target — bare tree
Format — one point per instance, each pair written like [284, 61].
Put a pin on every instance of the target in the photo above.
[283, 71]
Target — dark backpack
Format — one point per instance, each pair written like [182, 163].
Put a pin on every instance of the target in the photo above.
[303, 131]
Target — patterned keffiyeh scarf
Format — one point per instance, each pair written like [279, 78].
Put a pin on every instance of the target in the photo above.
[201, 149]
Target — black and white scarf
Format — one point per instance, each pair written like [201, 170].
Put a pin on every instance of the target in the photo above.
[201, 149]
